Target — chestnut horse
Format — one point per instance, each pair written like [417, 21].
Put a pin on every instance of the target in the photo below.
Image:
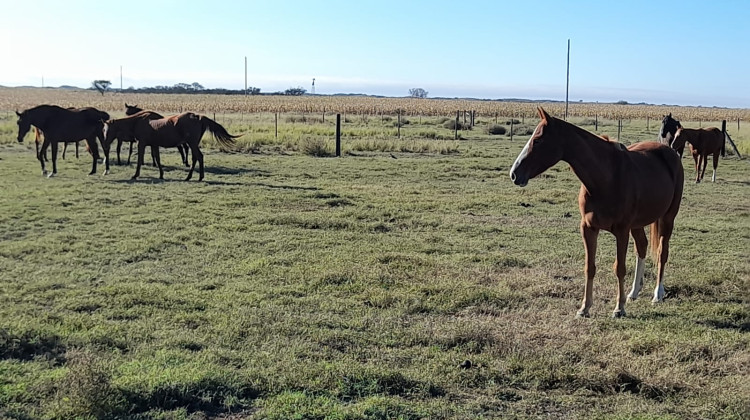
[703, 142]
[63, 125]
[622, 191]
[134, 109]
[186, 128]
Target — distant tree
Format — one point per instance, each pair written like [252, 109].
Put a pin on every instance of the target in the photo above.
[621, 102]
[253, 91]
[298, 91]
[101, 85]
[418, 93]
[196, 86]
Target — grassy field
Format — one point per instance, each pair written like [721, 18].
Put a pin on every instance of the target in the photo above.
[389, 283]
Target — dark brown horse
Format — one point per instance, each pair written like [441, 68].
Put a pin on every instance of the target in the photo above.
[622, 191]
[186, 128]
[63, 125]
[703, 142]
[125, 137]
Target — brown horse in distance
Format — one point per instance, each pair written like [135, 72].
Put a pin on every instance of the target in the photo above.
[703, 142]
[186, 128]
[63, 125]
[622, 191]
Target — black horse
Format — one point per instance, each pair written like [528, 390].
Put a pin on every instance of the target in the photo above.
[64, 125]
[668, 131]
[184, 149]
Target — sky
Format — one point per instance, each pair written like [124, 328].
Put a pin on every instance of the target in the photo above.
[662, 52]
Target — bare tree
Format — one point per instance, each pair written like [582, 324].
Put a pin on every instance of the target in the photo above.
[101, 85]
[418, 93]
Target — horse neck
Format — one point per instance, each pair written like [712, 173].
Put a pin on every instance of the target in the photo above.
[591, 158]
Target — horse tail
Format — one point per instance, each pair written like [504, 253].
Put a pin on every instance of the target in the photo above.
[723, 140]
[655, 239]
[220, 133]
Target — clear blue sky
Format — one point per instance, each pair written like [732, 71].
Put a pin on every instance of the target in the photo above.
[674, 52]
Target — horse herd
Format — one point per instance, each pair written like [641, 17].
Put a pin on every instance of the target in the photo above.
[66, 125]
[623, 189]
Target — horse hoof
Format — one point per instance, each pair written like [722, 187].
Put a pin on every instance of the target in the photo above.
[581, 315]
[618, 314]
[44, 173]
[106, 172]
[656, 301]
[51, 174]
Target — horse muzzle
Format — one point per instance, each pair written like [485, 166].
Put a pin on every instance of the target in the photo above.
[518, 179]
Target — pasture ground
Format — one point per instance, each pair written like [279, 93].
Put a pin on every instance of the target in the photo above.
[290, 286]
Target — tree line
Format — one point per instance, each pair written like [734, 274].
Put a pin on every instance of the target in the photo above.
[103, 86]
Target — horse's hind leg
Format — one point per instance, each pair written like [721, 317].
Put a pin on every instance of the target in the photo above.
[65, 149]
[141, 152]
[697, 160]
[704, 159]
[77, 150]
[641, 244]
[665, 233]
[196, 154]
[716, 164]
[620, 269]
[54, 160]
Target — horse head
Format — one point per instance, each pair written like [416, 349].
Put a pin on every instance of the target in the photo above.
[669, 125]
[24, 125]
[678, 144]
[541, 151]
[132, 109]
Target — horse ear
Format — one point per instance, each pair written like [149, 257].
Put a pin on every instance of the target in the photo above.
[126, 105]
[18, 113]
[543, 114]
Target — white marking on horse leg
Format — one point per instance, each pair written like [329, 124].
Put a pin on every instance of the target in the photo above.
[713, 177]
[659, 292]
[640, 267]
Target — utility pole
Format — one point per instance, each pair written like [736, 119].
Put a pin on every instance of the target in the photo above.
[245, 75]
[120, 77]
[567, 82]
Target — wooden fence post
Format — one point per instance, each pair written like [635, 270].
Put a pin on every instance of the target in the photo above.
[276, 124]
[455, 126]
[596, 122]
[338, 135]
[398, 124]
[511, 128]
[619, 129]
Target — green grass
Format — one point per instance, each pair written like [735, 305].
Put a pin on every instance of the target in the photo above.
[290, 286]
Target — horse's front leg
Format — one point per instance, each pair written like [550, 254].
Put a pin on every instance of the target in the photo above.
[697, 160]
[94, 149]
[119, 146]
[77, 150]
[590, 236]
[42, 155]
[65, 149]
[619, 267]
[157, 159]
